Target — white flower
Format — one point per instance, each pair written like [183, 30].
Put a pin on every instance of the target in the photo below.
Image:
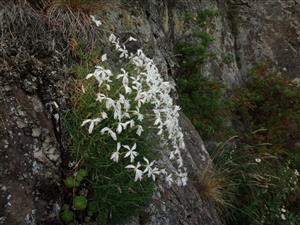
[124, 52]
[101, 75]
[128, 90]
[297, 173]
[92, 122]
[119, 128]
[182, 178]
[97, 22]
[131, 39]
[112, 38]
[110, 103]
[115, 156]
[140, 116]
[123, 75]
[131, 153]
[131, 124]
[100, 97]
[171, 155]
[118, 146]
[104, 57]
[124, 101]
[104, 115]
[169, 179]
[151, 172]
[283, 216]
[110, 132]
[258, 160]
[139, 130]
[138, 62]
[138, 172]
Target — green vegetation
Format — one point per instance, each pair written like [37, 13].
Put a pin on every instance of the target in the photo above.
[258, 186]
[80, 203]
[110, 194]
[196, 92]
[74, 181]
[263, 163]
[255, 179]
[228, 59]
[271, 102]
[259, 168]
[202, 101]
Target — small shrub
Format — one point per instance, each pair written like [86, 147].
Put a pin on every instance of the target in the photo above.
[272, 102]
[203, 102]
[201, 99]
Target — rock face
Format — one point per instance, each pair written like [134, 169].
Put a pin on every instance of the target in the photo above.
[33, 91]
[29, 159]
[31, 78]
[269, 32]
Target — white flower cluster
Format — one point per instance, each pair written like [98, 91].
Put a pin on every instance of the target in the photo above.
[143, 85]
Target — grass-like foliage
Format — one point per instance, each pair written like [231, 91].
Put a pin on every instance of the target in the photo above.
[270, 104]
[81, 6]
[113, 189]
[211, 187]
[120, 114]
[114, 195]
[23, 25]
[259, 187]
[72, 17]
[261, 166]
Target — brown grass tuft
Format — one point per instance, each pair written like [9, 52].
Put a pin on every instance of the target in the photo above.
[211, 188]
[84, 7]
[73, 18]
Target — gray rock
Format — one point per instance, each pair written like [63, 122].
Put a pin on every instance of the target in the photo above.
[269, 33]
[36, 132]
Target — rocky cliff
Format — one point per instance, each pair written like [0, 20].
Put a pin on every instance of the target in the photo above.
[34, 92]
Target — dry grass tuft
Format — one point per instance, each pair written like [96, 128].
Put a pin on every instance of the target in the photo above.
[211, 188]
[86, 7]
[72, 18]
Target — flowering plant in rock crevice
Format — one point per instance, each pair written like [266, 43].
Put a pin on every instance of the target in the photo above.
[129, 97]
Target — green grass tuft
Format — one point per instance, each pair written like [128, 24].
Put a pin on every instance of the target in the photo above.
[113, 195]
